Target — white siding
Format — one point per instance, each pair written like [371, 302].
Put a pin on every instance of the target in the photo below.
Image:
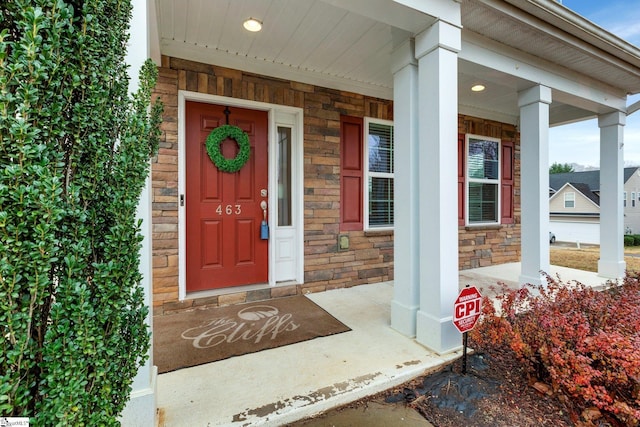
[631, 213]
[582, 203]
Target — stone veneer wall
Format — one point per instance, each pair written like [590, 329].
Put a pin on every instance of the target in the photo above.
[370, 257]
[480, 246]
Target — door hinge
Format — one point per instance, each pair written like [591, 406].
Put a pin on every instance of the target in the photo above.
[182, 200]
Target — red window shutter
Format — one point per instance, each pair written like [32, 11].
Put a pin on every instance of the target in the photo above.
[351, 173]
[507, 183]
[461, 163]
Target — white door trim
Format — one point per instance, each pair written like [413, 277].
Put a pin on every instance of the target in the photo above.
[297, 192]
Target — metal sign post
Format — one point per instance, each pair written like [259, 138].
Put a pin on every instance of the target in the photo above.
[466, 312]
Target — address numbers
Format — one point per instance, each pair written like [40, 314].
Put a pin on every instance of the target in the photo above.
[229, 210]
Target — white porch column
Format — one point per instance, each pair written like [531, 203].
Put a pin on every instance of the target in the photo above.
[406, 284]
[611, 264]
[141, 408]
[437, 53]
[534, 166]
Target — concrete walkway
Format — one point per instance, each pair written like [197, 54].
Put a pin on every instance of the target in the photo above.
[373, 414]
[509, 274]
[282, 385]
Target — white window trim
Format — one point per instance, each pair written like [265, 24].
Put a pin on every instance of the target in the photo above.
[367, 174]
[468, 180]
[572, 199]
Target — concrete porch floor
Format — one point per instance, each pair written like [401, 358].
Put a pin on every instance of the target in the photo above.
[282, 385]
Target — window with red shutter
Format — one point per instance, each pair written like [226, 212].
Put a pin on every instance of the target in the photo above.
[485, 180]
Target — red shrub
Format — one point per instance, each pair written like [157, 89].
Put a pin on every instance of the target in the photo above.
[582, 341]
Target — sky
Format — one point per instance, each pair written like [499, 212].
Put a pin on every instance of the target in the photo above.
[580, 142]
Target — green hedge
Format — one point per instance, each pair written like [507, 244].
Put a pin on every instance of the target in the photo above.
[629, 240]
[632, 239]
[74, 156]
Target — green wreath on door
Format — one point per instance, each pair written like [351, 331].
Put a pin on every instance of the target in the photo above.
[214, 140]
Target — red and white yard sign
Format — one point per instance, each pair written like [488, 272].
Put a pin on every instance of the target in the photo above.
[467, 309]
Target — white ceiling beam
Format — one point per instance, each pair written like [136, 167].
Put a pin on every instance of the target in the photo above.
[494, 55]
[388, 12]
[445, 10]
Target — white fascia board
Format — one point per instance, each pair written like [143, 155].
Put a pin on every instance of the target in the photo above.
[633, 108]
[257, 66]
[487, 113]
[480, 50]
[553, 196]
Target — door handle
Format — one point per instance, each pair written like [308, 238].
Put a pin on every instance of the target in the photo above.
[263, 206]
[264, 227]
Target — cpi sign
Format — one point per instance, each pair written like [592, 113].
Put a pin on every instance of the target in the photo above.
[467, 309]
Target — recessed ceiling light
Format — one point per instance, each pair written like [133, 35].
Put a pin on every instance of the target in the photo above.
[252, 24]
[477, 88]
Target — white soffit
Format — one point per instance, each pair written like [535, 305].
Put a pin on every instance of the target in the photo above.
[343, 45]
[318, 42]
[580, 50]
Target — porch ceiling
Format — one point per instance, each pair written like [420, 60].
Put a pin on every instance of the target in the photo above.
[347, 45]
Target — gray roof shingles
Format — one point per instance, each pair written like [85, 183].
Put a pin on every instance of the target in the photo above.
[586, 182]
[590, 178]
[584, 189]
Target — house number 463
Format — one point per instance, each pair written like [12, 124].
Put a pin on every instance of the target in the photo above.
[229, 210]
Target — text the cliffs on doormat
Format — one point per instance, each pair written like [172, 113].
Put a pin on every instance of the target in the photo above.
[206, 335]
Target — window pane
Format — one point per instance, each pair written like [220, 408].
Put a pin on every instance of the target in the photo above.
[483, 159]
[284, 176]
[380, 201]
[380, 148]
[483, 202]
[569, 200]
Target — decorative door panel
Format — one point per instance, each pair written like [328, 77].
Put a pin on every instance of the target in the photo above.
[223, 210]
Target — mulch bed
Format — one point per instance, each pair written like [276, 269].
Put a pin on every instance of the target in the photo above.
[494, 392]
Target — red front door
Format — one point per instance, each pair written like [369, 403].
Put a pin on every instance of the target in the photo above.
[223, 241]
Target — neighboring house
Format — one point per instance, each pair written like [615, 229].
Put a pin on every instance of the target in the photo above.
[574, 214]
[369, 129]
[574, 205]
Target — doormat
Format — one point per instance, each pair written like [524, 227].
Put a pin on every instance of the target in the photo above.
[195, 337]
